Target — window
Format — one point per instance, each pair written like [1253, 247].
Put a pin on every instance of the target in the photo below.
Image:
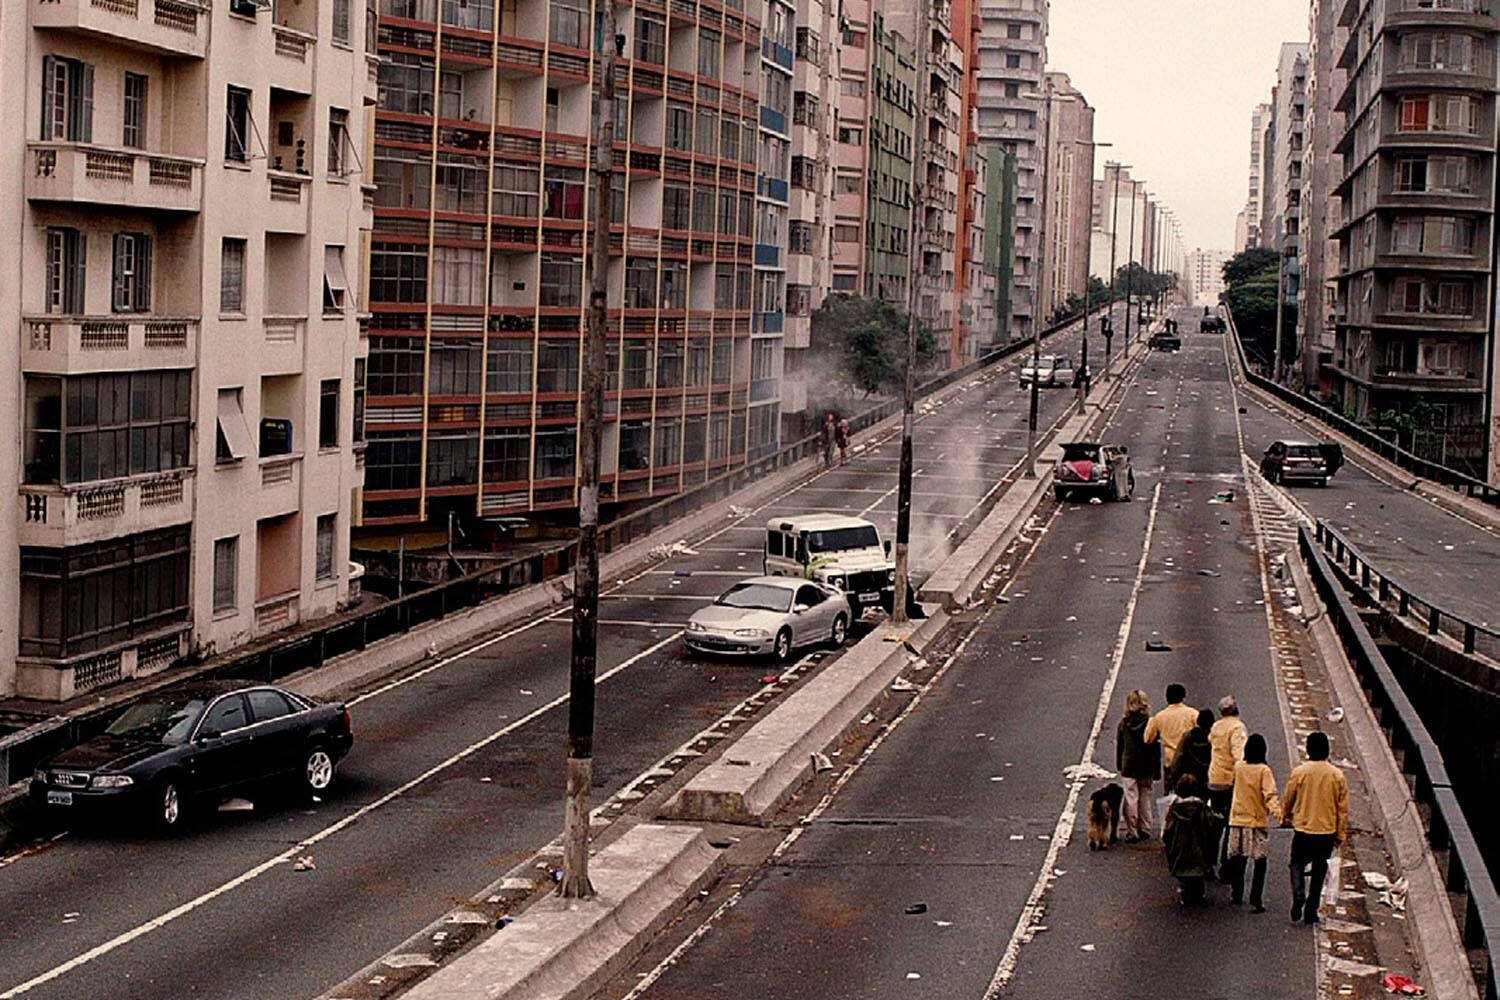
[406, 83]
[87, 428]
[66, 267]
[1013, 30]
[338, 142]
[509, 367]
[226, 573]
[1438, 113]
[130, 289]
[232, 276]
[328, 414]
[635, 445]
[722, 358]
[669, 364]
[707, 141]
[851, 136]
[477, 15]
[679, 128]
[458, 276]
[67, 99]
[453, 367]
[1454, 53]
[708, 53]
[668, 444]
[393, 460]
[640, 283]
[266, 704]
[516, 190]
[134, 118]
[650, 38]
[570, 23]
[396, 366]
[1012, 60]
[718, 437]
[562, 280]
[637, 365]
[452, 458]
[851, 87]
[403, 177]
[729, 138]
[1411, 174]
[677, 206]
[556, 451]
[557, 366]
[335, 285]
[507, 455]
[398, 274]
[694, 438]
[237, 125]
[360, 366]
[325, 544]
[562, 191]
[225, 716]
[341, 22]
[233, 431]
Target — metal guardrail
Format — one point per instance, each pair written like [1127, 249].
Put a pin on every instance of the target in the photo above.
[1405, 602]
[1448, 831]
[279, 656]
[1424, 468]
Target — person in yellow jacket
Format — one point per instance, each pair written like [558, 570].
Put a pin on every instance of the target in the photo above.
[1253, 808]
[1227, 738]
[1171, 724]
[1317, 810]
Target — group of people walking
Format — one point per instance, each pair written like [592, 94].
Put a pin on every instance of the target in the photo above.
[1222, 801]
[835, 440]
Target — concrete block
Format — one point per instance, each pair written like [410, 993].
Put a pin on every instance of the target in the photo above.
[557, 949]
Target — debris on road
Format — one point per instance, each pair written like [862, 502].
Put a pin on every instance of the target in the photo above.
[916, 908]
[1209, 572]
[1392, 894]
[1224, 496]
[1085, 947]
[409, 960]
[1335, 715]
[903, 686]
[1088, 771]
[867, 718]
[821, 763]
[304, 864]
[1157, 646]
[770, 678]
[1404, 985]
[677, 548]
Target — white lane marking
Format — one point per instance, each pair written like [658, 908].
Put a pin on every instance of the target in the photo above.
[1031, 914]
[445, 661]
[156, 923]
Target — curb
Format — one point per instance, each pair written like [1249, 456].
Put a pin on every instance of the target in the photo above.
[559, 948]
[1439, 947]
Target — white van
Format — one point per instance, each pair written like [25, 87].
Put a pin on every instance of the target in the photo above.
[843, 552]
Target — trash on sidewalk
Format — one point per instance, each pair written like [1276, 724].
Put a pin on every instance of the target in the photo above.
[867, 718]
[902, 685]
[677, 548]
[304, 864]
[1087, 771]
[915, 909]
[504, 922]
[1394, 982]
[1209, 572]
[735, 510]
[1224, 496]
[1392, 894]
[1335, 715]
[770, 678]
[1001, 599]
[821, 763]
[1157, 646]
[1085, 947]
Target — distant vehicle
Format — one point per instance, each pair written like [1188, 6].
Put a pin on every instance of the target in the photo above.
[770, 614]
[1212, 324]
[839, 551]
[1088, 468]
[1301, 461]
[1050, 370]
[1165, 342]
[197, 745]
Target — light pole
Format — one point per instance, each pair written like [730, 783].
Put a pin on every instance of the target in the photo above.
[1114, 232]
[1088, 279]
[918, 192]
[1132, 263]
[1036, 333]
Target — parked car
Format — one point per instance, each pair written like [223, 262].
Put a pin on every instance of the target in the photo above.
[1165, 342]
[1301, 461]
[770, 615]
[1050, 370]
[197, 745]
[1088, 468]
[1212, 324]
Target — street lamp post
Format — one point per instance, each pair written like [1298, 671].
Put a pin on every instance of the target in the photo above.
[1114, 232]
[1088, 282]
[1036, 334]
[1132, 263]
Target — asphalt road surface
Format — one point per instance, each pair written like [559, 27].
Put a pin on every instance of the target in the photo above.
[966, 807]
[457, 770]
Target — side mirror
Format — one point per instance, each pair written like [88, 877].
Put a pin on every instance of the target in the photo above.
[798, 609]
[887, 546]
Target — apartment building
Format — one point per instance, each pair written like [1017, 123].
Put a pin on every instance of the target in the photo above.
[187, 353]
[1070, 208]
[1415, 321]
[1318, 263]
[1289, 139]
[1012, 60]
[876, 149]
[1206, 274]
[482, 223]
[1260, 122]
[809, 273]
[974, 279]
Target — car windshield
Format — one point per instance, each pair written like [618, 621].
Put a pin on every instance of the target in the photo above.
[757, 597]
[865, 537]
[1080, 453]
[167, 720]
[1303, 451]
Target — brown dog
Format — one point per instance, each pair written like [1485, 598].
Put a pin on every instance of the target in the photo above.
[1104, 816]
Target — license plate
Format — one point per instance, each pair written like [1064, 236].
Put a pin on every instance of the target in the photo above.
[59, 798]
[868, 598]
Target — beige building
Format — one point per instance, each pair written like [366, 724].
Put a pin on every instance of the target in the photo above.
[1260, 123]
[184, 188]
[1070, 179]
[1317, 290]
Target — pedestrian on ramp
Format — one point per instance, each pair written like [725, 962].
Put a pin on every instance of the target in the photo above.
[1253, 808]
[1139, 764]
[1227, 738]
[1188, 839]
[1317, 810]
[1171, 724]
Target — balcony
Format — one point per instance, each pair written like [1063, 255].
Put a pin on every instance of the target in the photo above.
[71, 345]
[164, 27]
[94, 175]
[280, 486]
[294, 58]
[286, 209]
[283, 342]
[58, 516]
[1434, 13]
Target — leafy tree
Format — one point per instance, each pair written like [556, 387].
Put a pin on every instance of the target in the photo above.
[1142, 282]
[863, 340]
[1249, 264]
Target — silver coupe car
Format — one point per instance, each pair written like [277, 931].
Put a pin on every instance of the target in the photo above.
[770, 614]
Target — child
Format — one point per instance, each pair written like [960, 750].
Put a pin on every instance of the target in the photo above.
[1253, 809]
[1189, 840]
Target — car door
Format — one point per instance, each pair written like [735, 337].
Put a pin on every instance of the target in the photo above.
[807, 625]
[278, 733]
[223, 754]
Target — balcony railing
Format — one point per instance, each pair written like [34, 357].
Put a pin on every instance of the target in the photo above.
[55, 516]
[98, 175]
[61, 345]
[171, 27]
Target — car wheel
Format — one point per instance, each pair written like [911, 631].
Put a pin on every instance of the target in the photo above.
[167, 808]
[317, 770]
[1062, 494]
[783, 647]
[840, 632]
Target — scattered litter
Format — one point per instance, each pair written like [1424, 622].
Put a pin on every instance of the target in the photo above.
[821, 763]
[1209, 572]
[1087, 771]
[720, 844]
[913, 975]
[916, 908]
[504, 922]
[902, 685]
[304, 864]
[1346, 764]
[770, 678]
[1335, 715]
[432, 650]
[1403, 985]
[1157, 646]
[1085, 947]
[528, 693]
[556, 875]
[1001, 599]
[486, 780]
[943, 923]
[71, 916]
[677, 548]
[1226, 496]
[1095, 500]
[1392, 894]
[1018, 836]
[997, 777]
[867, 718]
[737, 762]
[467, 917]
[1447, 548]
[736, 511]
[408, 961]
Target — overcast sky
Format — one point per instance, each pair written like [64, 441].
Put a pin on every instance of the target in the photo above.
[1173, 83]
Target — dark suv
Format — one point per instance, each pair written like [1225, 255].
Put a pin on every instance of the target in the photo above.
[1301, 461]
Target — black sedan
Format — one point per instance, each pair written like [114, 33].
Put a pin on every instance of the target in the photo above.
[197, 745]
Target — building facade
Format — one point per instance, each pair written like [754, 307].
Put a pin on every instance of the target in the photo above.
[1289, 140]
[1206, 273]
[1070, 179]
[482, 223]
[1012, 61]
[975, 284]
[187, 289]
[1415, 320]
[1260, 123]
[1321, 208]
